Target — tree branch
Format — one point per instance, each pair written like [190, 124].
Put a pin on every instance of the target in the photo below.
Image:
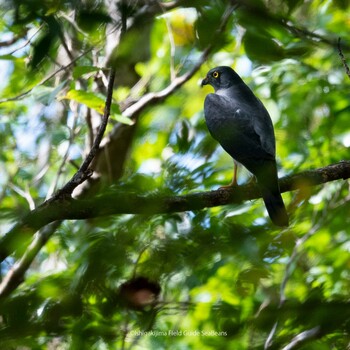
[84, 172]
[343, 59]
[123, 202]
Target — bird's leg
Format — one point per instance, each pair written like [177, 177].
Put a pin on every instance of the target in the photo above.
[235, 172]
[234, 182]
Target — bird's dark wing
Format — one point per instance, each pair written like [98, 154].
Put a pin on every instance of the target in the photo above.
[263, 126]
[234, 130]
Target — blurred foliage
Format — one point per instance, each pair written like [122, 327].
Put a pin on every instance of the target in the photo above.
[227, 276]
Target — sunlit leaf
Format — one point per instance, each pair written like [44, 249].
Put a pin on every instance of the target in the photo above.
[97, 103]
[79, 71]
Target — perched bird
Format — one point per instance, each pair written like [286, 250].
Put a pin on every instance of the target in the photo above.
[238, 120]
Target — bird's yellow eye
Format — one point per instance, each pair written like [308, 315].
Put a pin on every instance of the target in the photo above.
[216, 74]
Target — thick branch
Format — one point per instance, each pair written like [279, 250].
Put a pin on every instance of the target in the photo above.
[121, 202]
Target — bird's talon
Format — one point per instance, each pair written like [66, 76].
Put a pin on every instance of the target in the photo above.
[231, 186]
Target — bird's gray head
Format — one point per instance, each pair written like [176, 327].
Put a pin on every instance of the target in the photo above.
[221, 77]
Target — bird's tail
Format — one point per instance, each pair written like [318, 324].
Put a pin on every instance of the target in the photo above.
[268, 183]
[276, 209]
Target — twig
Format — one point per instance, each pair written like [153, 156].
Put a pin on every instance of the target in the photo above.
[84, 172]
[25, 194]
[343, 59]
[90, 137]
[25, 43]
[307, 34]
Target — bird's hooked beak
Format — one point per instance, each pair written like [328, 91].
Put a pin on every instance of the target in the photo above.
[205, 81]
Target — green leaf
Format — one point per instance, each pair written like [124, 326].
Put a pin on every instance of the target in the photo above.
[207, 24]
[96, 103]
[82, 70]
[46, 94]
[90, 20]
[262, 48]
